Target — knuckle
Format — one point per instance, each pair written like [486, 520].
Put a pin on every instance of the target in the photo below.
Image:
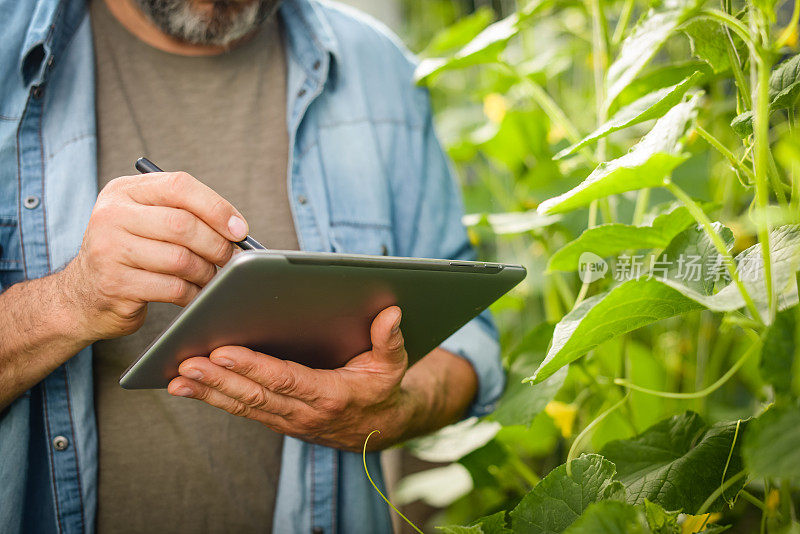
[332, 405]
[177, 182]
[181, 260]
[223, 251]
[240, 409]
[254, 397]
[284, 382]
[178, 290]
[181, 223]
[220, 211]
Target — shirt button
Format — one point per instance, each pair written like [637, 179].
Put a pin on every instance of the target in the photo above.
[31, 202]
[317, 64]
[302, 199]
[37, 91]
[317, 530]
[300, 93]
[50, 62]
[384, 250]
[60, 443]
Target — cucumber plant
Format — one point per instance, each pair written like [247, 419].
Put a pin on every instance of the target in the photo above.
[643, 160]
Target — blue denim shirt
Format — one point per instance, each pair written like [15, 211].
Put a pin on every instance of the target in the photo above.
[366, 175]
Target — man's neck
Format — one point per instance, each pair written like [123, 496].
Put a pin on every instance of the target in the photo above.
[131, 17]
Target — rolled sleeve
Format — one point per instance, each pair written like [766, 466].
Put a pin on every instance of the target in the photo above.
[477, 343]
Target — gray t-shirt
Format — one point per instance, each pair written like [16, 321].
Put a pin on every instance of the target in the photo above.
[170, 464]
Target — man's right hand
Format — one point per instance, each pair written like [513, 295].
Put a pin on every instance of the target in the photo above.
[151, 238]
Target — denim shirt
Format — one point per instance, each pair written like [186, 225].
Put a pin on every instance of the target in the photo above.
[366, 175]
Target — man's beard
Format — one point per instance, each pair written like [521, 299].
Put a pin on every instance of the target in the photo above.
[221, 24]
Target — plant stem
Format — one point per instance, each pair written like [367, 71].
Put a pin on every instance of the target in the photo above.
[790, 28]
[731, 22]
[752, 499]
[697, 394]
[622, 23]
[525, 472]
[761, 164]
[722, 149]
[719, 491]
[736, 66]
[642, 201]
[573, 450]
[702, 219]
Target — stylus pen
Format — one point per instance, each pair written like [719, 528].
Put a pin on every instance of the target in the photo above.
[144, 165]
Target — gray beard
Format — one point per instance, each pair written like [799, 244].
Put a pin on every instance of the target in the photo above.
[228, 22]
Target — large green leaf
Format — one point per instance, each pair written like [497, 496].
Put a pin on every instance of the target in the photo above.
[657, 77]
[708, 41]
[609, 517]
[627, 307]
[522, 402]
[692, 260]
[659, 520]
[771, 444]
[644, 41]
[785, 256]
[649, 107]
[609, 239]
[784, 88]
[777, 353]
[459, 33]
[559, 499]
[679, 462]
[647, 164]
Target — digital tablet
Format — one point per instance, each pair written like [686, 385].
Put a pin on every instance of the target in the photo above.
[316, 308]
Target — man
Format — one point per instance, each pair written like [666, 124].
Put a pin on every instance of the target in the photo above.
[236, 93]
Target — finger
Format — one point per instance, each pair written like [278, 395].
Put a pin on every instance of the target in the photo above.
[387, 339]
[177, 226]
[184, 387]
[279, 376]
[167, 258]
[145, 286]
[181, 190]
[239, 387]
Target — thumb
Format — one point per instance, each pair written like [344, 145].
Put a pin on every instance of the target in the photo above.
[387, 340]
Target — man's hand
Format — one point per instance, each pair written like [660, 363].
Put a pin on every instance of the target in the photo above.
[339, 407]
[151, 238]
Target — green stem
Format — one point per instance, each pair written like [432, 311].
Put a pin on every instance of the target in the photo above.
[697, 394]
[736, 66]
[574, 449]
[622, 23]
[720, 490]
[642, 202]
[761, 163]
[752, 499]
[702, 219]
[731, 22]
[525, 472]
[786, 34]
[722, 149]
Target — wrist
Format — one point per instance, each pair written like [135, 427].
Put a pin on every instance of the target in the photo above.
[70, 316]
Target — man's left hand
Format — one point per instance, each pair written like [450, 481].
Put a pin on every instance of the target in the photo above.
[336, 408]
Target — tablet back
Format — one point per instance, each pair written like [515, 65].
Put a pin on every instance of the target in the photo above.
[317, 308]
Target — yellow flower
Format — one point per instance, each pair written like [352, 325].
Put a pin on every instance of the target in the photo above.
[495, 107]
[563, 415]
[773, 500]
[698, 523]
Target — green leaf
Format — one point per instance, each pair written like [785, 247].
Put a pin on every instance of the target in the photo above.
[693, 245]
[784, 84]
[522, 401]
[644, 41]
[475, 529]
[785, 255]
[647, 164]
[784, 88]
[679, 462]
[630, 305]
[770, 446]
[494, 524]
[609, 239]
[658, 77]
[454, 441]
[485, 47]
[609, 517]
[708, 42]
[659, 520]
[460, 33]
[559, 499]
[649, 107]
[777, 354]
[479, 463]
[438, 487]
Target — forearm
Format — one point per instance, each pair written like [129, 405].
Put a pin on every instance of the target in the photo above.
[440, 389]
[38, 332]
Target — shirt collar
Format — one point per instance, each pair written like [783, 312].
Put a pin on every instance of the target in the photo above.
[309, 37]
[51, 26]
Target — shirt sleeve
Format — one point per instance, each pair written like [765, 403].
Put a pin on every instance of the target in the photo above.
[431, 211]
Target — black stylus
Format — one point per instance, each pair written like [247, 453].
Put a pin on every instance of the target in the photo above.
[144, 165]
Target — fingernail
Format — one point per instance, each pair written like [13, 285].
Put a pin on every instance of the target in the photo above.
[396, 325]
[182, 391]
[192, 373]
[224, 362]
[237, 227]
